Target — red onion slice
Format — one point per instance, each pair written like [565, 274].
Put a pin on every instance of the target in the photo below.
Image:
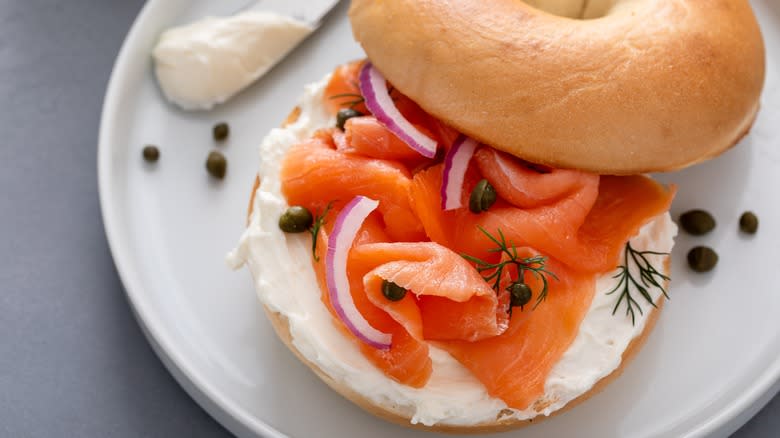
[373, 86]
[455, 165]
[345, 229]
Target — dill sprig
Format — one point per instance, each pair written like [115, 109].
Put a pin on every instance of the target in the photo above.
[492, 272]
[649, 278]
[357, 99]
[319, 221]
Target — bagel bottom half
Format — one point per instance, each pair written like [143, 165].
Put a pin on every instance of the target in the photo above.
[280, 324]
[390, 413]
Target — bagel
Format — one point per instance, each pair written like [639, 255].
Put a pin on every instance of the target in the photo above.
[639, 86]
[283, 275]
[390, 412]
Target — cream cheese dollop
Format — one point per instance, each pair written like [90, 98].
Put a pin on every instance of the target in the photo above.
[285, 282]
[207, 62]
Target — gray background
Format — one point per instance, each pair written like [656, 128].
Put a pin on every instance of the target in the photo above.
[73, 361]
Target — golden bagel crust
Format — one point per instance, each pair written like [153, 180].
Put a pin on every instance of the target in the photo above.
[652, 85]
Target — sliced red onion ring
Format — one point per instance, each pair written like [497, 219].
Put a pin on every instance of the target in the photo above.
[345, 229]
[373, 86]
[455, 165]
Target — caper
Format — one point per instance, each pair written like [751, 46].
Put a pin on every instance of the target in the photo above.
[345, 114]
[216, 164]
[520, 294]
[392, 291]
[221, 131]
[296, 219]
[482, 197]
[151, 153]
[702, 259]
[697, 222]
[748, 222]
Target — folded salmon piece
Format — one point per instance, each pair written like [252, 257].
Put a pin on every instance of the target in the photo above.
[452, 299]
[585, 229]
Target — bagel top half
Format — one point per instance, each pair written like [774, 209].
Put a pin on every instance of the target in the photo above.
[639, 86]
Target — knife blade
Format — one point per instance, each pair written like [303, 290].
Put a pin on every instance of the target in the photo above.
[311, 12]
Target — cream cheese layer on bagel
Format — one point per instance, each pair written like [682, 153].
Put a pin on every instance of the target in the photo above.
[286, 285]
[639, 86]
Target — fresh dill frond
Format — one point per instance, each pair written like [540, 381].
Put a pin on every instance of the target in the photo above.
[649, 278]
[319, 221]
[355, 99]
[492, 272]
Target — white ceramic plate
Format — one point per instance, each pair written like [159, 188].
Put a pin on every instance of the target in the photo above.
[711, 363]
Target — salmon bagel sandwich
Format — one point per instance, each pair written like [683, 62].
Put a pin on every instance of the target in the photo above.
[457, 233]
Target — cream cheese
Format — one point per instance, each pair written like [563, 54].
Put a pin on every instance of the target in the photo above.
[207, 62]
[286, 283]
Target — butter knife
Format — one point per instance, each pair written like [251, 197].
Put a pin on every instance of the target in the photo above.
[311, 12]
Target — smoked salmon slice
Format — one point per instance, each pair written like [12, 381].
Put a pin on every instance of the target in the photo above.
[407, 360]
[455, 303]
[514, 365]
[366, 136]
[313, 174]
[526, 187]
[585, 230]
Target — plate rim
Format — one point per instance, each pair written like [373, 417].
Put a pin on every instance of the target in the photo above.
[234, 418]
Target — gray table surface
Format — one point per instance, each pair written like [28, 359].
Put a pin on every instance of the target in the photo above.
[73, 361]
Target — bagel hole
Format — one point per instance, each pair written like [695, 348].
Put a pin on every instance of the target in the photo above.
[577, 9]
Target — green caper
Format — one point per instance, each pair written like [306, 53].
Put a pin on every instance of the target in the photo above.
[221, 131]
[392, 291]
[697, 222]
[748, 222]
[520, 294]
[296, 219]
[482, 197]
[151, 153]
[345, 114]
[216, 164]
[702, 259]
